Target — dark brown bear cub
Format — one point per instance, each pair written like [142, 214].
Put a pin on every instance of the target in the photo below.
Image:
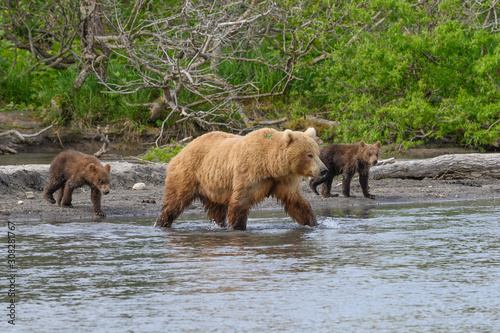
[346, 160]
[70, 170]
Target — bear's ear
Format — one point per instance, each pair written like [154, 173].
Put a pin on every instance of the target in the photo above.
[311, 132]
[362, 144]
[288, 136]
[107, 167]
[377, 144]
[92, 167]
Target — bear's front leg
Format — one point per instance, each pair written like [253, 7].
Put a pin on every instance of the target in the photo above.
[363, 181]
[238, 209]
[237, 216]
[295, 205]
[216, 212]
[177, 198]
[346, 185]
[67, 196]
[300, 210]
[96, 196]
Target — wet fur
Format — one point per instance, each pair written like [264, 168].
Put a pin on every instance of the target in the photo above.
[229, 174]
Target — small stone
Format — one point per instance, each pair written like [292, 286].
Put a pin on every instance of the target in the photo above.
[30, 195]
[20, 202]
[139, 187]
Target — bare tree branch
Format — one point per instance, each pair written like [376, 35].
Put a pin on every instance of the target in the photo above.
[105, 147]
[22, 137]
[179, 53]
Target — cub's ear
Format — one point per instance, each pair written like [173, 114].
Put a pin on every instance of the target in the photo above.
[362, 144]
[310, 132]
[288, 136]
[92, 167]
[107, 167]
[377, 144]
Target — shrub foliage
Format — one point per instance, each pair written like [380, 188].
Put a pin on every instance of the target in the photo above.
[403, 72]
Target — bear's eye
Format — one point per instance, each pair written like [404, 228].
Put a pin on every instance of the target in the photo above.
[370, 155]
[310, 155]
[101, 182]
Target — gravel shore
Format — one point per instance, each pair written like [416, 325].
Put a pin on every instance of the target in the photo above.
[21, 193]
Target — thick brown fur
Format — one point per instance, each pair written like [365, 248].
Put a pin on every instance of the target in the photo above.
[346, 160]
[229, 174]
[70, 170]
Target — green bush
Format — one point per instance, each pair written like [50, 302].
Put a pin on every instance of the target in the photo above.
[162, 154]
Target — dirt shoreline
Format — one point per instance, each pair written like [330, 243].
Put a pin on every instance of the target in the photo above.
[16, 183]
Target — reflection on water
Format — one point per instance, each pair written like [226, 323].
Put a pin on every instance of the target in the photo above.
[27, 158]
[386, 269]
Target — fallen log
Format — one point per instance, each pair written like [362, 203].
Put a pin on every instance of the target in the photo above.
[442, 167]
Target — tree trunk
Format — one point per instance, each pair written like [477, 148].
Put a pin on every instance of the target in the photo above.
[445, 166]
[94, 54]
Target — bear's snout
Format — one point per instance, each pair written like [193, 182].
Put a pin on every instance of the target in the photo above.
[375, 162]
[323, 171]
[105, 192]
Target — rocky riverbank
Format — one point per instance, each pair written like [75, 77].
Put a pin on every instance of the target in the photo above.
[21, 193]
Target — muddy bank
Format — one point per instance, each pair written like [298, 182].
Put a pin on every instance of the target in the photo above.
[19, 183]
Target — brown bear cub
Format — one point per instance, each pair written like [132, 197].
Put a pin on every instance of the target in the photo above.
[70, 170]
[346, 160]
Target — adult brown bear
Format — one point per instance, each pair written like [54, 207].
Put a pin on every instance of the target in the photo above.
[231, 173]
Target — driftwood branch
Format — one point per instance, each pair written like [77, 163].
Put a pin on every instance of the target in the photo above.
[7, 151]
[445, 166]
[23, 137]
[105, 147]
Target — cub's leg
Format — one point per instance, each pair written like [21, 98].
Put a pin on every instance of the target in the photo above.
[60, 194]
[51, 188]
[363, 181]
[315, 181]
[96, 195]
[67, 195]
[327, 186]
[346, 185]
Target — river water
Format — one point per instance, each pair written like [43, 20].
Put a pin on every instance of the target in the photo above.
[406, 268]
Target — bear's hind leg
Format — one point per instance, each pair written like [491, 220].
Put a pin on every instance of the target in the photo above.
[327, 187]
[216, 212]
[173, 206]
[315, 181]
[66, 195]
[60, 194]
[50, 189]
